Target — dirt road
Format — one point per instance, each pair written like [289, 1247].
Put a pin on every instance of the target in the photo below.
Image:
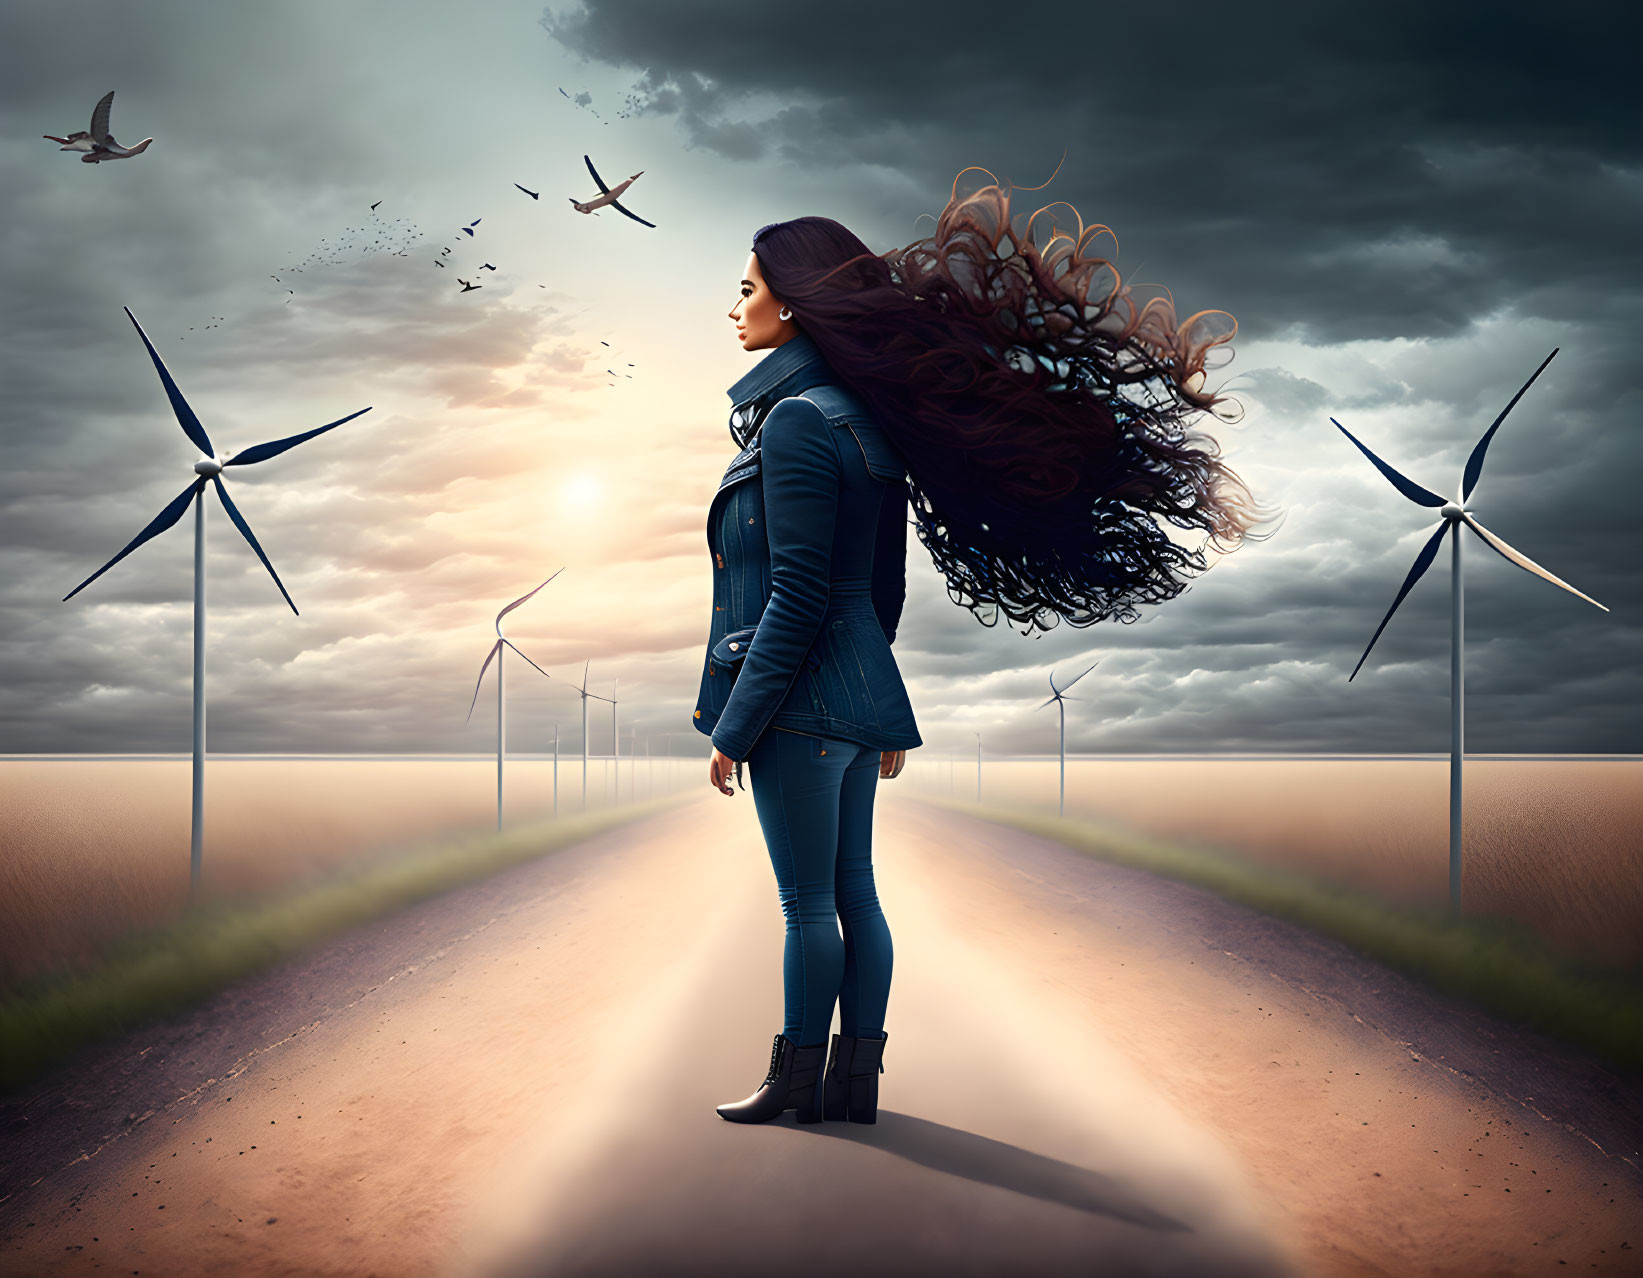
[1089, 1071]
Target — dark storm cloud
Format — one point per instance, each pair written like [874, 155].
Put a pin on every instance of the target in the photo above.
[1396, 171]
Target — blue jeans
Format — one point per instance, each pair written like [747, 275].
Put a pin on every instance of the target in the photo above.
[814, 797]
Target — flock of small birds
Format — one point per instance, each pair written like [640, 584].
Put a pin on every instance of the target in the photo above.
[375, 237]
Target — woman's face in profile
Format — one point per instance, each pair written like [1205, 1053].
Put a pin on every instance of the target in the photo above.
[757, 312]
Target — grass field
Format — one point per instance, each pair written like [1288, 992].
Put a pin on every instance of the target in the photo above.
[91, 850]
[1557, 845]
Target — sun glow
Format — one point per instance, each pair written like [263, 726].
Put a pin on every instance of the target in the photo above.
[582, 492]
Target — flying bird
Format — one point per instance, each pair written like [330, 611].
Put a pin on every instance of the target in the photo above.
[533, 194]
[467, 229]
[374, 206]
[98, 144]
[610, 196]
[467, 287]
[487, 267]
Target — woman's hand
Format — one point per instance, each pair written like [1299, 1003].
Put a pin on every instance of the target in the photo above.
[719, 770]
[891, 762]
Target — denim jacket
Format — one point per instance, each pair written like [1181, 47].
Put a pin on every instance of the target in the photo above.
[805, 608]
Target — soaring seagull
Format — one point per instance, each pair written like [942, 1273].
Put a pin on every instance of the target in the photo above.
[610, 196]
[533, 194]
[97, 144]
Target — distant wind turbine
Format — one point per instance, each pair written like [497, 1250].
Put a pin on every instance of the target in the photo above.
[585, 695]
[501, 706]
[1454, 514]
[1057, 697]
[209, 467]
[615, 744]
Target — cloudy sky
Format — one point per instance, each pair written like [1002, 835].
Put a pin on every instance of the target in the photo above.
[1406, 208]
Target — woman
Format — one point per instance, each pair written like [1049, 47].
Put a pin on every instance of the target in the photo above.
[988, 389]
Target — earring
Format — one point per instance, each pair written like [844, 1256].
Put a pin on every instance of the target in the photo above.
[784, 314]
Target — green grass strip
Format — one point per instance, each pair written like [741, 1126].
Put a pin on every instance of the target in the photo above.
[1501, 965]
[162, 970]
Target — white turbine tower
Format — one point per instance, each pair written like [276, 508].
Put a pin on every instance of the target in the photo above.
[209, 467]
[615, 745]
[585, 695]
[501, 705]
[1454, 514]
[1057, 697]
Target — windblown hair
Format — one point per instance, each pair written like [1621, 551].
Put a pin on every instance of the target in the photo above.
[1041, 414]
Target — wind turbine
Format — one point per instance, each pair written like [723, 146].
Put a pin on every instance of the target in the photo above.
[615, 746]
[1454, 514]
[1057, 697]
[585, 695]
[209, 467]
[501, 706]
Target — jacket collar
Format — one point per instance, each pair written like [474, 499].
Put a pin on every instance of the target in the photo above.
[796, 365]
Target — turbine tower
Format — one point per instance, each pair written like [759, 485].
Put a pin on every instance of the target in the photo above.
[1057, 697]
[209, 467]
[501, 706]
[585, 695]
[615, 746]
[1455, 513]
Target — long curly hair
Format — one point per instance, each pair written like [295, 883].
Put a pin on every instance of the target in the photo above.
[1041, 414]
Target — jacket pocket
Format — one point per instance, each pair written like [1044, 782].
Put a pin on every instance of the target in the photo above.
[730, 650]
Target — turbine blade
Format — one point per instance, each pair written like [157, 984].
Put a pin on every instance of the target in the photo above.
[515, 647]
[262, 452]
[185, 415]
[516, 604]
[1093, 665]
[1423, 561]
[245, 530]
[1521, 560]
[1408, 487]
[170, 515]
[495, 648]
[1474, 463]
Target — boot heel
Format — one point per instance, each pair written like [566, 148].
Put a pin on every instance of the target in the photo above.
[862, 1091]
[864, 1099]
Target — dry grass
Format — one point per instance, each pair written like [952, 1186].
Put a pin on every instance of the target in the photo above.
[154, 971]
[1557, 845]
[91, 850]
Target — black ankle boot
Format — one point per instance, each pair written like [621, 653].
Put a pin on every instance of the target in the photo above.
[794, 1082]
[851, 1087]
